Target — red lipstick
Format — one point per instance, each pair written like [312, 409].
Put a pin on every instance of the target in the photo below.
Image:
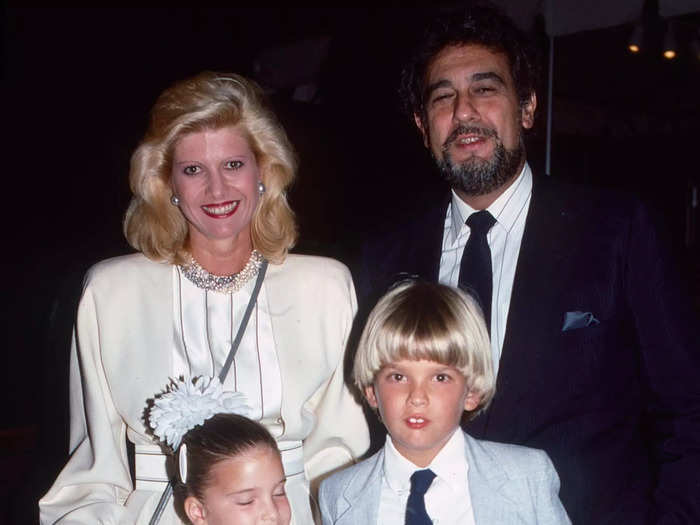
[220, 210]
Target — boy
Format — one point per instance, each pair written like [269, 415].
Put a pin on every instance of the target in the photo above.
[423, 359]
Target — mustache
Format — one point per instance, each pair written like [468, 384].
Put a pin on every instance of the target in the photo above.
[479, 131]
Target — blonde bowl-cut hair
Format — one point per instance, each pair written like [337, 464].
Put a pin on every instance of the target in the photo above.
[209, 101]
[418, 320]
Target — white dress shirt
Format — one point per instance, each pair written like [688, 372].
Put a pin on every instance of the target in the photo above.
[447, 501]
[510, 211]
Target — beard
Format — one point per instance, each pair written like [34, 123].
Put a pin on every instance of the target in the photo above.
[475, 176]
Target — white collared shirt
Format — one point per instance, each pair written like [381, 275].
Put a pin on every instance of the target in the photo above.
[447, 501]
[510, 211]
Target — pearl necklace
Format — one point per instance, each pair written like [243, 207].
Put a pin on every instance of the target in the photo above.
[222, 283]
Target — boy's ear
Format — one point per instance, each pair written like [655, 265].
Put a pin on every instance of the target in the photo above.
[472, 401]
[195, 510]
[371, 397]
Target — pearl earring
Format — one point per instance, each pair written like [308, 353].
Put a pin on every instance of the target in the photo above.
[261, 188]
[174, 200]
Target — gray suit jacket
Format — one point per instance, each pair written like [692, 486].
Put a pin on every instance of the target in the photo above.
[507, 483]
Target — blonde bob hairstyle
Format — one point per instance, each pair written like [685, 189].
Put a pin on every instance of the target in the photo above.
[209, 101]
[420, 320]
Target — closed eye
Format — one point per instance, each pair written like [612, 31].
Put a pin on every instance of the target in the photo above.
[441, 97]
[486, 87]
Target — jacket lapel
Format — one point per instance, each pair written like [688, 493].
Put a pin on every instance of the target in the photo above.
[540, 278]
[539, 271]
[489, 489]
[360, 500]
[427, 253]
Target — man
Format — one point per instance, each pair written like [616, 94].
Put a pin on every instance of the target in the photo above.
[597, 359]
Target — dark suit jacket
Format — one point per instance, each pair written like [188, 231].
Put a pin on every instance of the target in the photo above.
[615, 405]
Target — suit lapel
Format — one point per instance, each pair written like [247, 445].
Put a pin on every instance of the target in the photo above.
[360, 500]
[489, 487]
[540, 279]
[427, 254]
[543, 249]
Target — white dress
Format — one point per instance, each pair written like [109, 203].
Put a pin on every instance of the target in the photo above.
[140, 323]
[206, 323]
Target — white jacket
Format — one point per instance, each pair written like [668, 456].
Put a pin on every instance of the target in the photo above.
[121, 356]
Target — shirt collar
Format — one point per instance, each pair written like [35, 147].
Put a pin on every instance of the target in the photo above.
[505, 208]
[450, 465]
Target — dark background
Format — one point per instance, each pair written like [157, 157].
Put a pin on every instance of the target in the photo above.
[77, 86]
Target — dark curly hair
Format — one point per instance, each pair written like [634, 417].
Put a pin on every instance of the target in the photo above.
[480, 25]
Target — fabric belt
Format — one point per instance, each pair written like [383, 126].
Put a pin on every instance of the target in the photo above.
[149, 469]
[151, 473]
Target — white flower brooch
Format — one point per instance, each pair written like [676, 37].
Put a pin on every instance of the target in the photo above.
[187, 403]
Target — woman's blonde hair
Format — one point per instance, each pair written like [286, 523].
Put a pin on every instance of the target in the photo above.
[420, 320]
[207, 101]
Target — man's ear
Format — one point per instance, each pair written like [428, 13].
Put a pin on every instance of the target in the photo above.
[371, 397]
[528, 111]
[195, 511]
[419, 124]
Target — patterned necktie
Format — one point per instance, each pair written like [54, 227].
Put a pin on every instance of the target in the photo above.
[415, 508]
[475, 274]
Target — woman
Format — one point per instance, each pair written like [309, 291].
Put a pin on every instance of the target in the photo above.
[209, 182]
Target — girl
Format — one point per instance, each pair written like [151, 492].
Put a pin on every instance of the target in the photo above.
[228, 468]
